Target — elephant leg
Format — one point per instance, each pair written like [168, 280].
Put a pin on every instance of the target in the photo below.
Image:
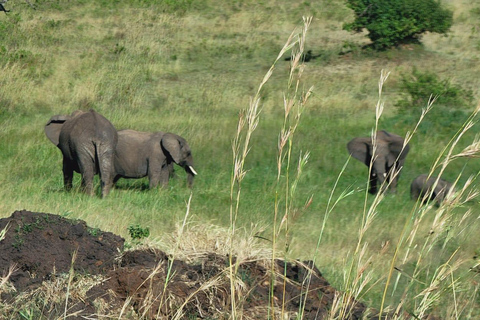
[154, 178]
[153, 175]
[393, 181]
[67, 175]
[165, 174]
[87, 170]
[106, 163]
[394, 176]
[87, 182]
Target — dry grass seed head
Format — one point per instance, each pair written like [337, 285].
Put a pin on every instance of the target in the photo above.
[199, 240]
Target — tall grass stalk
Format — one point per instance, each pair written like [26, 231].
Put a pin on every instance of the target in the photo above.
[358, 280]
[172, 258]
[294, 103]
[69, 283]
[329, 209]
[356, 277]
[4, 280]
[247, 123]
[408, 137]
[442, 216]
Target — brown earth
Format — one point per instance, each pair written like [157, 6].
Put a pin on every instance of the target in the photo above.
[133, 283]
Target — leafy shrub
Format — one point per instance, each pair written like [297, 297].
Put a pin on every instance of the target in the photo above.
[449, 111]
[420, 85]
[138, 233]
[393, 22]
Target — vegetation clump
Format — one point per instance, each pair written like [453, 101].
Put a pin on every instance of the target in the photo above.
[452, 101]
[394, 22]
[419, 86]
[138, 233]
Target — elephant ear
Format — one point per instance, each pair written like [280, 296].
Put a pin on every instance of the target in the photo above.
[359, 148]
[53, 127]
[397, 149]
[172, 146]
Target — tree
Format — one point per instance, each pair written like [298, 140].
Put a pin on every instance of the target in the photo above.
[394, 22]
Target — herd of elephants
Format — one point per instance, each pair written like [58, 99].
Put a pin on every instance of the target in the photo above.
[91, 145]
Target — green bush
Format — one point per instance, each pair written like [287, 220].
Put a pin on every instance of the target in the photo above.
[421, 85]
[138, 233]
[394, 22]
[451, 107]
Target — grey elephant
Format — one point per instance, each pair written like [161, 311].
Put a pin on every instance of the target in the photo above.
[87, 141]
[429, 188]
[140, 154]
[388, 160]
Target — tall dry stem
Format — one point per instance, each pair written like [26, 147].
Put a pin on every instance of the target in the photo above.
[443, 219]
[248, 121]
[70, 279]
[173, 256]
[294, 103]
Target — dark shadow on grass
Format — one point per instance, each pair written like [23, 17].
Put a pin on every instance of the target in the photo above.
[138, 186]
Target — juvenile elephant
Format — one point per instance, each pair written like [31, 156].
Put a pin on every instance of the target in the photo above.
[388, 159]
[87, 141]
[141, 154]
[429, 186]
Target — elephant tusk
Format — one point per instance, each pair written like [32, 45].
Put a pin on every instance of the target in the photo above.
[193, 170]
[384, 175]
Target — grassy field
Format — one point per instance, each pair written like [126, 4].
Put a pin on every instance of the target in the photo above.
[190, 67]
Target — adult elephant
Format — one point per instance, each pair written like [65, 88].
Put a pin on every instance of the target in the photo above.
[386, 153]
[87, 141]
[429, 188]
[140, 154]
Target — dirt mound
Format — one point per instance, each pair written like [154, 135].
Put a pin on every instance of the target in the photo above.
[40, 244]
[148, 283]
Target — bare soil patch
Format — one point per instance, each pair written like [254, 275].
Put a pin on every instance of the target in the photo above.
[148, 284]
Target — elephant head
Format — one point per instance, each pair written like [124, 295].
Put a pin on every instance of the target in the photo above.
[385, 153]
[177, 150]
[87, 141]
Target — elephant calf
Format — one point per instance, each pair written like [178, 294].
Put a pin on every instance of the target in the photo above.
[424, 187]
[140, 154]
[87, 141]
[386, 155]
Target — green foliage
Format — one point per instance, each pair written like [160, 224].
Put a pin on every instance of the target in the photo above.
[393, 22]
[421, 85]
[29, 314]
[452, 104]
[137, 232]
[93, 231]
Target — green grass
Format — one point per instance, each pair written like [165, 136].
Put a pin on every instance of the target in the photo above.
[189, 67]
